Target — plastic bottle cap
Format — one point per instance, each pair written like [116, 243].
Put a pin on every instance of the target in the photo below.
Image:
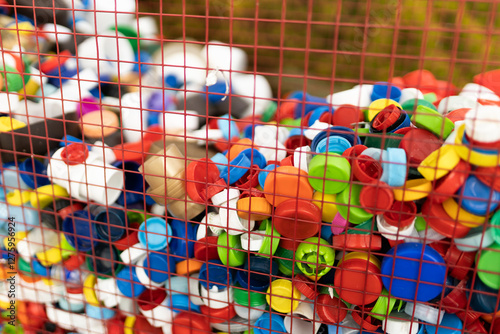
[449, 184]
[460, 215]
[489, 268]
[190, 323]
[401, 214]
[305, 286]
[429, 119]
[329, 174]
[249, 277]
[99, 124]
[80, 231]
[327, 204]
[358, 281]
[128, 283]
[450, 324]
[357, 241]
[315, 257]
[439, 163]
[376, 197]
[304, 216]
[477, 197]
[287, 182]
[438, 219]
[330, 309]
[269, 323]
[154, 233]
[413, 262]
[75, 154]
[349, 205]
[378, 105]
[283, 296]
[229, 249]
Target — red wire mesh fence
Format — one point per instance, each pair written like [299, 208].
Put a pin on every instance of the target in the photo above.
[278, 167]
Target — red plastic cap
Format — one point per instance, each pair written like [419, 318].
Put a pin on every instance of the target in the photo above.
[150, 299]
[330, 310]
[347, 115]
[457, 114]
[376, 197]
[357, 241]
[489, 80]
[358, 281]
[401, 214]
[296, 218]
[142, 326]
[438, 219]
[206, 249]
[131, 239]
[366, 169]
[190, 323]
[75, 154]
[386, 117]
[216, 316]
[456, 300]
[421, 79]
[305, 286]
[449, 184]
[418, 144]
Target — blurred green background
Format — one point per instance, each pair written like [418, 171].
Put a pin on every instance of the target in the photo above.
[337, 44]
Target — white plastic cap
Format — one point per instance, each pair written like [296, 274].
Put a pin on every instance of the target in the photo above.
[451, 103]
[476, 91]
[410, 94]
[133, 116]
[224, 57]
[359, 96]
[482, 124]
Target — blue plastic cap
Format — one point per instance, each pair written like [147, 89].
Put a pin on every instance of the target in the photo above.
[385, 90]
[450, 324]
[39, 269]
[171, 80]
[316, 114]
[110, 224]
[128, 283]
[254, 281]
[10, 179]
[394, 167]
[74, 306]
[158, 266]
[477, 197]
[32, 170]
[215, 273]
[182, 231]
[264, 173]
[340, 131]
[334, 144]
[249, 132]
[269, 323]
[180, 303]
[482, 298]
[177, 285]
[80, 230]
[134, 183]
[142, 60]
[303, 108]
[255, 157]
[220, 161]
[415, 262]
[238, 167]
[26, 217]
[97, 312]
[153, 117]
[155, 233]
[216, 92]
[228, 127]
